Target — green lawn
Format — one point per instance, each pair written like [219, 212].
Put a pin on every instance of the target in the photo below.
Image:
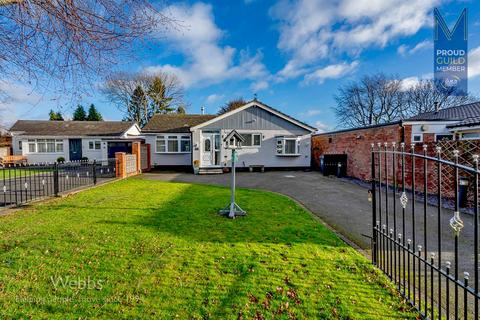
[147, 249]
[6, 173]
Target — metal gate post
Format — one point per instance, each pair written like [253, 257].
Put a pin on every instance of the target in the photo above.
[374, 210]
[55, 179]
[94, 173]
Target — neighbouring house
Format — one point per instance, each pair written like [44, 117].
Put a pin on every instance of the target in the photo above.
[272, 139]
[46, 141]
[455, 123]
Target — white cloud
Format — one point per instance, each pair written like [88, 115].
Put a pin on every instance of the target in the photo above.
[259, 85]
[410, 82]
[16, 101]
[405, 50]
[321, 127]
[310, 113]
[333, 71]
[474, 63]
[206, 61]
[312, 30]
[213, 98]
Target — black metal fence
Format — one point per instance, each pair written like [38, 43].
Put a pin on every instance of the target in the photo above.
[428, 251]
[23, 183]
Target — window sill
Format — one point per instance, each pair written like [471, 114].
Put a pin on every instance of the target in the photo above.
[289, 155]
[184, 152]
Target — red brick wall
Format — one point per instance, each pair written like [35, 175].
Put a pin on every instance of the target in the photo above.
[357, 145]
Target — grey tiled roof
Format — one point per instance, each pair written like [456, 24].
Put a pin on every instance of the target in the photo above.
[175, 122]
[70, 128]
[469, 122]
[458, 113]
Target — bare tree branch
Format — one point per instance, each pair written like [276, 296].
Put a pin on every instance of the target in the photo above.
[376, 99]
[71, 41]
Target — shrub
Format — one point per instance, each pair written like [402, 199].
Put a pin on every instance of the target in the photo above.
[60, 159]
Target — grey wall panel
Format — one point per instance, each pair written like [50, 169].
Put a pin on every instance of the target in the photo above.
[255, 118]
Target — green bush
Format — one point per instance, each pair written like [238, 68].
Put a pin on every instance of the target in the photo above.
[60, 159]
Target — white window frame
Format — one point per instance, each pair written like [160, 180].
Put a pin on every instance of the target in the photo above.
[416, 135]
[470, 138]
[281, 146]
[252, 138]
[94, 143]
[179, 138]
[44, 142]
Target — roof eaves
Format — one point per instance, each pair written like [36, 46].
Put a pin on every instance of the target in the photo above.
[360, 128]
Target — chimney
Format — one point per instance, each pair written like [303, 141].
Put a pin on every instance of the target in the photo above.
[203, 109]
[437, 106]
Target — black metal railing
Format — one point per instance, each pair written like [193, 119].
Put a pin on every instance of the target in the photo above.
[422, 247]
[22, 183]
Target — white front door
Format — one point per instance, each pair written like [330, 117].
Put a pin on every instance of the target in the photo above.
[210, 149]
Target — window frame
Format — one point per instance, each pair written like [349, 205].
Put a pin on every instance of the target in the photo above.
[252, 139]
[44, 144]
[92, 145]
[417, 135]
[470, 138]
[281, 147]
[180, 140]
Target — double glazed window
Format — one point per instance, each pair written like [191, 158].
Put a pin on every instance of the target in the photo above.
[173, 144]
[94, 145]
[288, 146]
[252, 139]
[45, 145]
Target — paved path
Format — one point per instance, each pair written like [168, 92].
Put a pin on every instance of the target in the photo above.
[345, 206]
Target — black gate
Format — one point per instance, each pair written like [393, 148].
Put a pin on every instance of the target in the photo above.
[423, 240]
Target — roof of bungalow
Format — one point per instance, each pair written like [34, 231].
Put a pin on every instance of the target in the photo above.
[458, 113]
[70, 128]
[175, 123]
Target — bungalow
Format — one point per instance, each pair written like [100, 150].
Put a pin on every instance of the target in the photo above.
[46, 141]
[272, 139]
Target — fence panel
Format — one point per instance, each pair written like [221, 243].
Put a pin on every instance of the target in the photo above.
[131, 164]
[430, 252]
[22, 183]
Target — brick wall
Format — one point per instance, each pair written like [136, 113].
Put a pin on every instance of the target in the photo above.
[357, 145]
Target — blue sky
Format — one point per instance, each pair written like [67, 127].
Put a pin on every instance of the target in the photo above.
[293, 54]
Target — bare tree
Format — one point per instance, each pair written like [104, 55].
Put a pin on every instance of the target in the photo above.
[232, 105]
[424, 96]
[372, 100]
[71, 41]
[163, 91]
[376, 99]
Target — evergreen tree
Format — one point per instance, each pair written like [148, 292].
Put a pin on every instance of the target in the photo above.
[138, 107]
[94, 114]
[181, 110]
[159, 100]
[79, 114]
[55, 116]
